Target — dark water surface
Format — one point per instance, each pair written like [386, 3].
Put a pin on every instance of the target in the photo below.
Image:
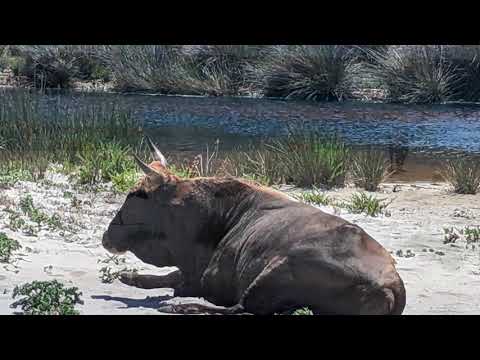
[427, 134]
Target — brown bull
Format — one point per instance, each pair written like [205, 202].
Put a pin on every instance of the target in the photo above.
[250, 249]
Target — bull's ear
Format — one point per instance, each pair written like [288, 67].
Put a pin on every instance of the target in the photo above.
[157, 154]
[145, 168]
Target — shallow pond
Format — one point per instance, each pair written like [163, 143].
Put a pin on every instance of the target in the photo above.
[425, 134]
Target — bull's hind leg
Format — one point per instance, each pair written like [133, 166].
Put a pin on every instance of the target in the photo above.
[273, 291]
[171, 280]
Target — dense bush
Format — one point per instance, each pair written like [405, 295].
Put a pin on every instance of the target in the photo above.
[321, 72]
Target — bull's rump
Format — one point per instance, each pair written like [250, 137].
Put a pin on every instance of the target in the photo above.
[325, 258]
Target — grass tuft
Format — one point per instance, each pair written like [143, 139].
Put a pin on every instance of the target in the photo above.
[463, 175]
[369, 169]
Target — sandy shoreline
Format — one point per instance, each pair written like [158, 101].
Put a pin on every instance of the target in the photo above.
[439, 278]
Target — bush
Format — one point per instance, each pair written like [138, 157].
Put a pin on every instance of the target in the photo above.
[145, 67]
[321, 72]
[219, 70]
[369, 169]
[47, 298]
[463, 175]
[416, 74]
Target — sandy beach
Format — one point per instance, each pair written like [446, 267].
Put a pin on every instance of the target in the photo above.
[439, 278]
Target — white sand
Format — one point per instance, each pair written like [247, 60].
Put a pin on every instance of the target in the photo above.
[435, 283]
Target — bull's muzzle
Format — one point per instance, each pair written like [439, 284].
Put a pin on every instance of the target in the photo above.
[106, 242]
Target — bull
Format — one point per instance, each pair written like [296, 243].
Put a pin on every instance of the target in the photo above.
[250, 249]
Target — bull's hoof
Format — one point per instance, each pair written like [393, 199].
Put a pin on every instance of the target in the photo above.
[128, 278]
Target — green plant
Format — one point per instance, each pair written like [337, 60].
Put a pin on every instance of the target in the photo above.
[303, 311]
[472, 234]
[37, 216]
[109, 275]
[315, 197]
[47, 298]
[310, 158]
[368, 204]
[450, 235]
[9, 177]
[7, 247]
[463, 175]
[369, 169]
[124, 181]
[15, 221]
[106, 162]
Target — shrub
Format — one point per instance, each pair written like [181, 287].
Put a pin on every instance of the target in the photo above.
[49, 65]
[321, 72]
[47, 298]
[7, 247]
[145, 67]
[463, 175]
[219, 70]
[369, 169]
[416, 74]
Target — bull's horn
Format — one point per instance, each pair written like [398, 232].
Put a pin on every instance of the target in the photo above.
[157, 154]
[145, 168]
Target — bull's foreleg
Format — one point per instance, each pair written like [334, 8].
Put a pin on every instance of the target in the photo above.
[172, 280]
[192, 308]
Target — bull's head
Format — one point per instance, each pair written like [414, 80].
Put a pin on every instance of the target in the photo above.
[143, 225]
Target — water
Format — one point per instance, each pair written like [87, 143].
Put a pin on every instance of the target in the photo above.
[429, 134]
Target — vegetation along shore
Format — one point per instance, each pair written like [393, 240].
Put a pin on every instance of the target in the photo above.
[402, 74]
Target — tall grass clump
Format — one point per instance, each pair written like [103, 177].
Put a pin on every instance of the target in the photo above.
[34, 137]
[219, 70]
[466, 60]
[463, 175]
[261, 163]
[415, 74]
[145, 67]
[369, 168]
[320, 72]
[312, 159]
